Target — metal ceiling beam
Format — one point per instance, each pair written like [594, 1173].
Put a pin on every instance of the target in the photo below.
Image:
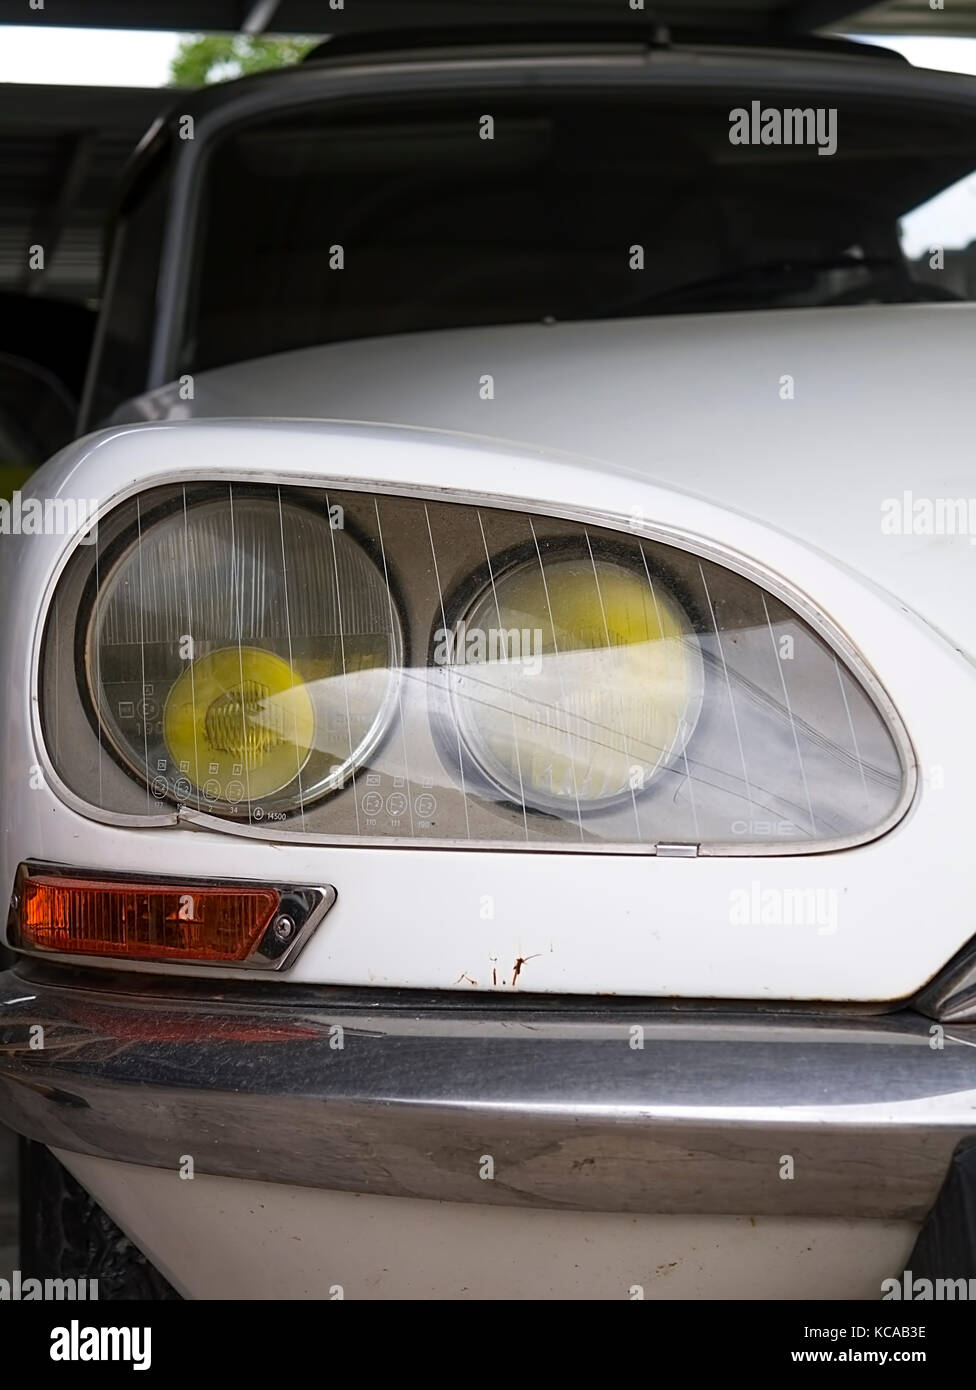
[64, 203]
[68, 173]
[33, 109]
[186, 15]
[317, 16]
[783, 17]
[259, 16]
[810, 15]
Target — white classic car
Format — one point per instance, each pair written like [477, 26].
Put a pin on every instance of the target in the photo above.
[487, 721]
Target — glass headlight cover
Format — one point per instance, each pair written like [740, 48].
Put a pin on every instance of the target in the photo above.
[361, 667]
[574, 684]
[242, 653]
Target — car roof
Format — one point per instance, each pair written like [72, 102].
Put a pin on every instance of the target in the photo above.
[391, 45]
[753, 17]
[802, 60]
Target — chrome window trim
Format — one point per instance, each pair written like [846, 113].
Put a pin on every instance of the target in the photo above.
[718, 552]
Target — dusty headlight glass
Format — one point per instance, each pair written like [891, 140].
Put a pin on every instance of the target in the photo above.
[369, 668]
[243, 652]
[575, 683]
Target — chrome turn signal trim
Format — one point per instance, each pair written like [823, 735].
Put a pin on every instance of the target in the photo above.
[298, 912]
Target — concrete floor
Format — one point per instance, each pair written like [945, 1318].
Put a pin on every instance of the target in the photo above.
[8, 1202]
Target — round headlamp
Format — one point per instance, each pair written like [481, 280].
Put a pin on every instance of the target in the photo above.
[241, 653]
[576, 683]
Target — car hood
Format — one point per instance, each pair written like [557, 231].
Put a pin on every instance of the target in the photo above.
[836, 426]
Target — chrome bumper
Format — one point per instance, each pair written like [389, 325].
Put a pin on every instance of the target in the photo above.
[368, 1093]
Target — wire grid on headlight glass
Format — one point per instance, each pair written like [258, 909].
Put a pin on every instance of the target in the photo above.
[350, 665]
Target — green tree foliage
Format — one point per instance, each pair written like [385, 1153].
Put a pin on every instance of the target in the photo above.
[12, 477]
[204, 58]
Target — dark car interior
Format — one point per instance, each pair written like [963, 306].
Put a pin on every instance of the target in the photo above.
[440, 227]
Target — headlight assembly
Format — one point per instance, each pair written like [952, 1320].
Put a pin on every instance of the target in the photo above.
[241, 653]
[361, 667]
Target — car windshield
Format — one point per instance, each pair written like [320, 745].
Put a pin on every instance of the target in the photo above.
[318, 228]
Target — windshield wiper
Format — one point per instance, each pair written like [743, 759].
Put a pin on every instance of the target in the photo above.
[768, 277]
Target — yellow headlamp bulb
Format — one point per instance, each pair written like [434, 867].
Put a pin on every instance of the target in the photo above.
[239, 723]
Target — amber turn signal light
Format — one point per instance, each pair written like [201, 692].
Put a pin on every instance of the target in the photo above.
[254, 926]
[143, 920]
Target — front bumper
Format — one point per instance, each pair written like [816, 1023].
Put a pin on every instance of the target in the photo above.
[611, 1107]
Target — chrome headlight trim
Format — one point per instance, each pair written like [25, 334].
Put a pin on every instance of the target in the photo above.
[692, 542]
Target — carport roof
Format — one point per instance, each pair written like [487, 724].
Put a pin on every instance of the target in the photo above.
[62, 152]
[318, 17]
[63, 149]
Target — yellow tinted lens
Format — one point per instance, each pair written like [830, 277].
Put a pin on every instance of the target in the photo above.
[239, 724]
[578, 682]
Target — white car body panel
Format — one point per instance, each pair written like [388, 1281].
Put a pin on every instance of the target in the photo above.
[604, 923]
[680, 421]
[792, 486]
[226, 1238]
[882, 406]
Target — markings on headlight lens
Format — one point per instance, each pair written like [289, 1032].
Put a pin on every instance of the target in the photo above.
[244, 712]
[243, 654]
[376, 668]
[575, 682]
